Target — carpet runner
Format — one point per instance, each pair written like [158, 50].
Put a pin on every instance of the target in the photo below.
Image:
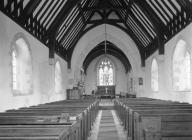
[107, 128]
[107, 125]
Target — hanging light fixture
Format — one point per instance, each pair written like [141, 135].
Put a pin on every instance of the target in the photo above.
[105, 39]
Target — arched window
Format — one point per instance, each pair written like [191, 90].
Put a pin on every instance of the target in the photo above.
[14, 70]
[21, 67]
[154, 76]
[181, 68]
[105, 73]
[58, 78]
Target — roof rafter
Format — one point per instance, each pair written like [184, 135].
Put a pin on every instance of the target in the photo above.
[157, 24]
[140, 24]
[29, 9]
[62, 15]
[73, 24]
[61, 23]
[139, 43]
[129, 32]
[188, 5]
[70, 27]
[81, 12]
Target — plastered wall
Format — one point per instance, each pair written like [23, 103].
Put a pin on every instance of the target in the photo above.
[166, 91]
[43, 73]
[114, 35]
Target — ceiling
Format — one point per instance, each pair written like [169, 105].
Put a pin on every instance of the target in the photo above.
[111, 49]
[59, 24]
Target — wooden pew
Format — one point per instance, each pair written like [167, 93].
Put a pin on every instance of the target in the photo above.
[20, 125]
[158, 120]
[35, 132]
[123, 110]
[142, 108]
[84, 103]
[88, 117]
[82, 117]
[50, 114]
[154, 122]
[154, 109]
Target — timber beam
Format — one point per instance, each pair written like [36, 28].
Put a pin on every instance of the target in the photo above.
[64, 12]
[105, 21]
[157, 24]
[104, 7]
[29, 9]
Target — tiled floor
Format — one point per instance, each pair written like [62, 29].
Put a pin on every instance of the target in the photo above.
[107, 125]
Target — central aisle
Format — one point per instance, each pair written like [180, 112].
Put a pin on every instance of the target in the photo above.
[107, 125]
[107, 128]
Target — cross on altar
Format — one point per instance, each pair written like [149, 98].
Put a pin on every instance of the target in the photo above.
[106, 90]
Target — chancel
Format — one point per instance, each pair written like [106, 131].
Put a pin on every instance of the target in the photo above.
[106, 90]
[95, 69]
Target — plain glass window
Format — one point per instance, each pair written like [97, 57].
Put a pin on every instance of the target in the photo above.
[181, 67]
[14, 69]
[154, 76]
[58, 78]
[21, 68]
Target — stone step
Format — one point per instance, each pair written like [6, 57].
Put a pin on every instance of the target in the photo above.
[106, 107]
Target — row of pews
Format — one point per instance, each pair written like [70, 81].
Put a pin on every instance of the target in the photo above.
[152, 119]
[61, 120]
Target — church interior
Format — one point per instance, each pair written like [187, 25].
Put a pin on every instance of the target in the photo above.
[95, 69]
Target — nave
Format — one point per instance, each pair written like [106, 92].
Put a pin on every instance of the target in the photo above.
[58, 56]
[92, 119]
[63, 120]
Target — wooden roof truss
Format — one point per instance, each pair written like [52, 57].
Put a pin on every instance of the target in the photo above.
[59, 24]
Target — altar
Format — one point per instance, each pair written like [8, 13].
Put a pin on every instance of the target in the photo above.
[105, 91]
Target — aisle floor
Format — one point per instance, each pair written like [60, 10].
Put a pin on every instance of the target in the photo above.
[107, 125]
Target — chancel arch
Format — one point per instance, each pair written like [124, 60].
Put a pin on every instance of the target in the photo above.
[181, 67]
[22, 81]
[96, 36]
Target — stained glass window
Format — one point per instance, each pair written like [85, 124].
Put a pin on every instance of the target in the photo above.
[106, 73]
[181, 68]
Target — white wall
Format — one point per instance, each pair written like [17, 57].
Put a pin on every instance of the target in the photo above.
[43, 73]
[166, 91]
[96, 36]
[121, 78]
